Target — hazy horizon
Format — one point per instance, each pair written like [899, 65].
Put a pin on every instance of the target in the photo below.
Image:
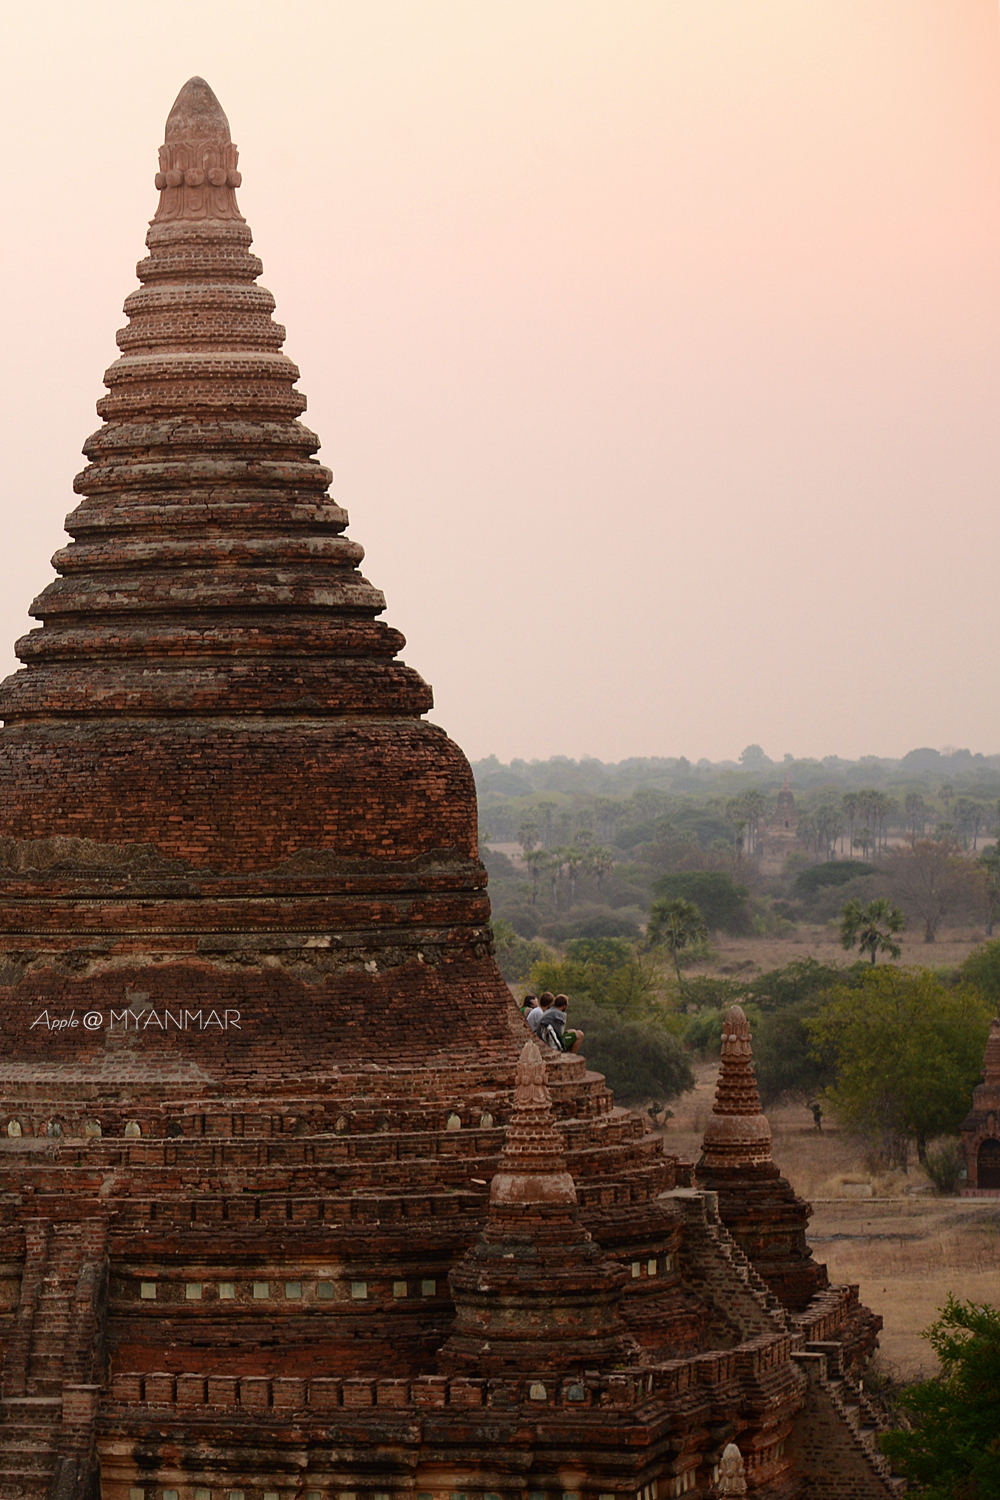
[655, 347]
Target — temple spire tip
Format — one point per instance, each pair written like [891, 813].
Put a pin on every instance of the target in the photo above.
[196, 114]
[198, 162]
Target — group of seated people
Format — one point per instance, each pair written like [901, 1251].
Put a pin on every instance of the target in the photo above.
[546, 1017]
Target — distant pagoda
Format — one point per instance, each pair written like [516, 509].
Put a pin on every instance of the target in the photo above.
[981, 1126]
[288, 1211]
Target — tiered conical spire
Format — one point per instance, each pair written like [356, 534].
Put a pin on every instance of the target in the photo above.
[209, 578]
[211, 693]
[532, 1166]
[756, 1204]
[206, 545]
[738, 1131]
[535, 1293]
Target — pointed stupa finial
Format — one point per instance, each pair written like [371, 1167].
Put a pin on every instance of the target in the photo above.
[738, 1131]
[732, 1480]
[532, 1167]
[991, 1058]
[196, 115]
[198, 172]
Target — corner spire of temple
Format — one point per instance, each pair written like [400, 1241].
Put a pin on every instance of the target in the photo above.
[532, 1166]
[738, 1130]
[758, 1206]
[535, 1291]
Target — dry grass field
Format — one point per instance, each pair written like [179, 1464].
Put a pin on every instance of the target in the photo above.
[744, 957]
[906, 1247]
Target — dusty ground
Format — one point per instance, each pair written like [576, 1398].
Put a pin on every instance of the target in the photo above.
[743, 957]
[905, 1246]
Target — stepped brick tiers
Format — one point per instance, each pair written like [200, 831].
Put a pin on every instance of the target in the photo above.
[981, 1126]
[287, 1209]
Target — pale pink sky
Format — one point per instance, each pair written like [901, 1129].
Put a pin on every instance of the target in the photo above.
[655, 343]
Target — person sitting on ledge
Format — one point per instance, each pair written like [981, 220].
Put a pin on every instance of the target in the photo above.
[534, 1016]
[527, 1006]
[553, 1026]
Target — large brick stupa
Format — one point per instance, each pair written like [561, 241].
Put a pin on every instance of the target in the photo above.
[288, 1211]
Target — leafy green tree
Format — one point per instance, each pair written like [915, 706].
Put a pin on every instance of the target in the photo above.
[989, 864]
[604, 970]
[907, 1050]
[754, 759]
[804, 979]
[514, 954]
[982, 970]
[722, 902]
[677, 925]
[787, 1000]
[638, 1055]
[786, 1061]
[952, 1451]
[871, 928]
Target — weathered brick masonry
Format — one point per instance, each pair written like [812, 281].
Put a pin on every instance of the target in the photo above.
[275, 1223]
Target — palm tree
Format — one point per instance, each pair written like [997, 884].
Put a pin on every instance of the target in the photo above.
[872, 927]
[754, 805]
[677, 924]
[599, 862]
[851, 804]
[528, 834]
[536, 860]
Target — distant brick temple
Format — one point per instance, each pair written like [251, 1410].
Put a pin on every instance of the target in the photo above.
[785, 818]
[981, 1126]
[289, 1209]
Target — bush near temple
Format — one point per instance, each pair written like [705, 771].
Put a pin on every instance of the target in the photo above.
[907, 1050]
[952, 1451]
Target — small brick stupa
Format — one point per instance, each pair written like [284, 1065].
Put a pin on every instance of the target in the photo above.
[757, 1205]
[259, 1069]
[981, 1126]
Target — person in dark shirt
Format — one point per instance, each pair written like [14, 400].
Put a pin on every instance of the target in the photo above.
[555, 1017]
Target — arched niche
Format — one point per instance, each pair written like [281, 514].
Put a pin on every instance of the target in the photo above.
[988, 1164]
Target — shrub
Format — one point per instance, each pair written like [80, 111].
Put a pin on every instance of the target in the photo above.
[835, 872]
[516, 955]
[944, 1164]
[951, 1445]
[637, 1054]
